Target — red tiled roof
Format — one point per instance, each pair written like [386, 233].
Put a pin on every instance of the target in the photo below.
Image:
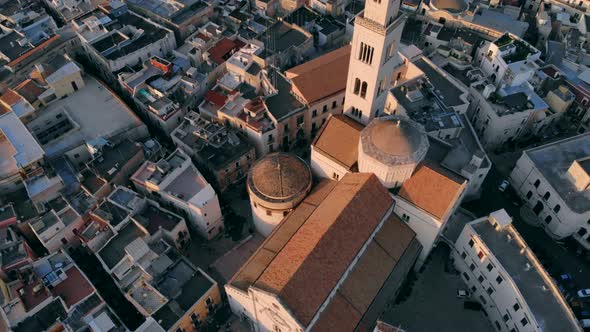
[223, 49]
[432, 189]
[216, 98]
[321, 77]
[29, 90]
[10, 97]
[74, 289]
[293, 273]
[339, 139]
[40, 48]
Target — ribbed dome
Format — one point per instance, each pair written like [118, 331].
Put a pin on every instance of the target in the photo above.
[394, 140]
[279, 177]
[452, 6]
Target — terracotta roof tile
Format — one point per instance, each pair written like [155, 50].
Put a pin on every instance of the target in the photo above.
[432, 189]
[318, 244]
[369, 275]
[223, 49]
[9, 97]
[339, 139]
[321, 77]
[29, 90]
[215, 98]
[339, 316]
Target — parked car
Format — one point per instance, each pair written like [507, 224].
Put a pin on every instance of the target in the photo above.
[585, 323]
[463, 294]
[584, 292]
[472, 305]
[503, 186]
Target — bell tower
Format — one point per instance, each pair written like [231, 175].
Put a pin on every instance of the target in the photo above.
[375, 64]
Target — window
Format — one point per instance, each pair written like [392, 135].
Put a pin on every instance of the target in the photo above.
[76, 156]
[499, 279]
[557, 208]
[334, 104]
[547, 195]
[405, 217]
[480, 255]
[516, 306]
[268, 213]
[505, 317]
[314, 113]
[285, 213]
[498, 325]
[529, 194]
[335, 176]
[489, 267]
[537, 183]
[490, 290]
[325, 109]
[366, 53]
[483, 300]
[548, 219]
[364, 90]
[582, 232]
[524, 321]
[463, 255]
[300, 120]
[357, 86]
[473, 289]
[466, 276]
[471, 243]
[195, 317]
[472, 267]
[276, 328]
[480, 279]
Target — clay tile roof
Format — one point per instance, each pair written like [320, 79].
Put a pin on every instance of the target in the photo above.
[279, 176]
[394, 240]
[308, 253]
[432, 189]
[10, 97]
[339, 139]
[341, 224]
[223, 49]
[215, 98]
[29, 90]
[321, 77]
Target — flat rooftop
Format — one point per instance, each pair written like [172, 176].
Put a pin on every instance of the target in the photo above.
[548, 307]
[187, 184]
[18, 148]
[443, 86]
[553, 161]
[153, 218]
[151, 34]
[97, 112]
[111, 213]
[114, 250]
[183, 285]
[217, 155]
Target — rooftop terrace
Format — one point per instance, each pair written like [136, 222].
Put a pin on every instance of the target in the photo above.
[553, 161]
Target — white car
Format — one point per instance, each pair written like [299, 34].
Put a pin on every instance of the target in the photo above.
[584, 292]
[503, 186]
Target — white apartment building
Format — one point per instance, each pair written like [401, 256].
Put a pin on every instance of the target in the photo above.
[426, 201]
[554, 181]
[505, 276]
[508, 60]
[176, 182]
[115, 37]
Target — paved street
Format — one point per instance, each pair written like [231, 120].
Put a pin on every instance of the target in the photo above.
[556, 258]
[432, 304]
